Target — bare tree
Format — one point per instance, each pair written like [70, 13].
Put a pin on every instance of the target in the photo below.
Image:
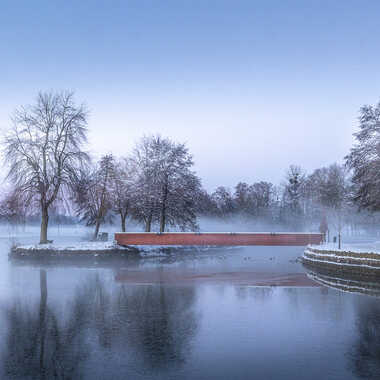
[224, 200]
[241, 197]
[167, 188]
[123, 190]
[260, 198]
[145, 183]
[292, 211]
[206, 205]
[93, 193]
[328, 190]
[44, 149]
[14, 208]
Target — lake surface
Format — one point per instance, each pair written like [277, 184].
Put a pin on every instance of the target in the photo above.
[196, 315]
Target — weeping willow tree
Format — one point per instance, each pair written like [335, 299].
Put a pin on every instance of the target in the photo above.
[44, 150]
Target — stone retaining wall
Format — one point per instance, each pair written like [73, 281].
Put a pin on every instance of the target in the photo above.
[362, 263]
[349, 284]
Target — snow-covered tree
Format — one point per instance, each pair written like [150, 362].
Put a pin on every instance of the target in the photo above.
[329, 186]
[205, 204]
[167, 187]
[14, 207]
[241, 197]
[292, 206]
[44, 150]
[145, 183]
[123, 190]
[364, 159]
[329, 189]
[93, 193]
[224, 200]
[260, 196]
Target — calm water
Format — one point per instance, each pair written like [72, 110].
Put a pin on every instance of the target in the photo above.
[141, 320]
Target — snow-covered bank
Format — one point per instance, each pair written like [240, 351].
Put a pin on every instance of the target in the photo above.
[77, 246]
[348, 259]
[72, 250]
[95, 249]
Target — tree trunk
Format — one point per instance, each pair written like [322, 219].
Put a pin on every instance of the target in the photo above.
[162, 219]
[44, 225]
[163, 209]
[148, 223]
[97, 226]
[123, 217]
[162, 223]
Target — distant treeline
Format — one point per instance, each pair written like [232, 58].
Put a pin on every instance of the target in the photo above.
[52, 177]
[300, 202]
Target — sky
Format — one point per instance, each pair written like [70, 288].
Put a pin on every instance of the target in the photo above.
[250, 86]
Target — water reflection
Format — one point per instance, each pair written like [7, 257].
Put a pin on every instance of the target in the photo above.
[41, 346]
[161, 323]
[347, 283]
[365, 353]
[153, 325]
[78, 322]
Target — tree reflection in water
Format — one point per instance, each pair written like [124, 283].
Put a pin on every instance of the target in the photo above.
[38, 346]
[160, 322]
[156, 322]
[152, 324]
[365, 353]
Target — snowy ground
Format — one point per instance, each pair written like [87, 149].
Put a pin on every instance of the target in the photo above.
[77, 246]
[362, 259]
[357, 248]
[103, 247]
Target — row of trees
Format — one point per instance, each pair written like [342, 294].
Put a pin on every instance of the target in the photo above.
[154, 185]
[49, 169]
[300, 200]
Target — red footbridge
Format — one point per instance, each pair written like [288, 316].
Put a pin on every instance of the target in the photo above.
[218, 238]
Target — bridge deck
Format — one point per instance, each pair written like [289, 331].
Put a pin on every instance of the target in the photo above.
[218, 238]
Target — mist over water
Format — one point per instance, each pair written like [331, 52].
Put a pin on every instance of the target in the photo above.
[241, 223]
[190, 315]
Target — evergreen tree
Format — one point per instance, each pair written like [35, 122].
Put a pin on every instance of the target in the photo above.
[364, 159]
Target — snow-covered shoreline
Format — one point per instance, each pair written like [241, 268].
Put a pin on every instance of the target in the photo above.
[95, 249]
[85, 249]
[351, 259]
[77, 246]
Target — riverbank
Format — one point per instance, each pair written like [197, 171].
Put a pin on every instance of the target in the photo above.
[349, 259]
[97, 249]
[77, 249]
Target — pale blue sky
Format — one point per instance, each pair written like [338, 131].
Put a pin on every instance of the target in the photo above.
[251, 86]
